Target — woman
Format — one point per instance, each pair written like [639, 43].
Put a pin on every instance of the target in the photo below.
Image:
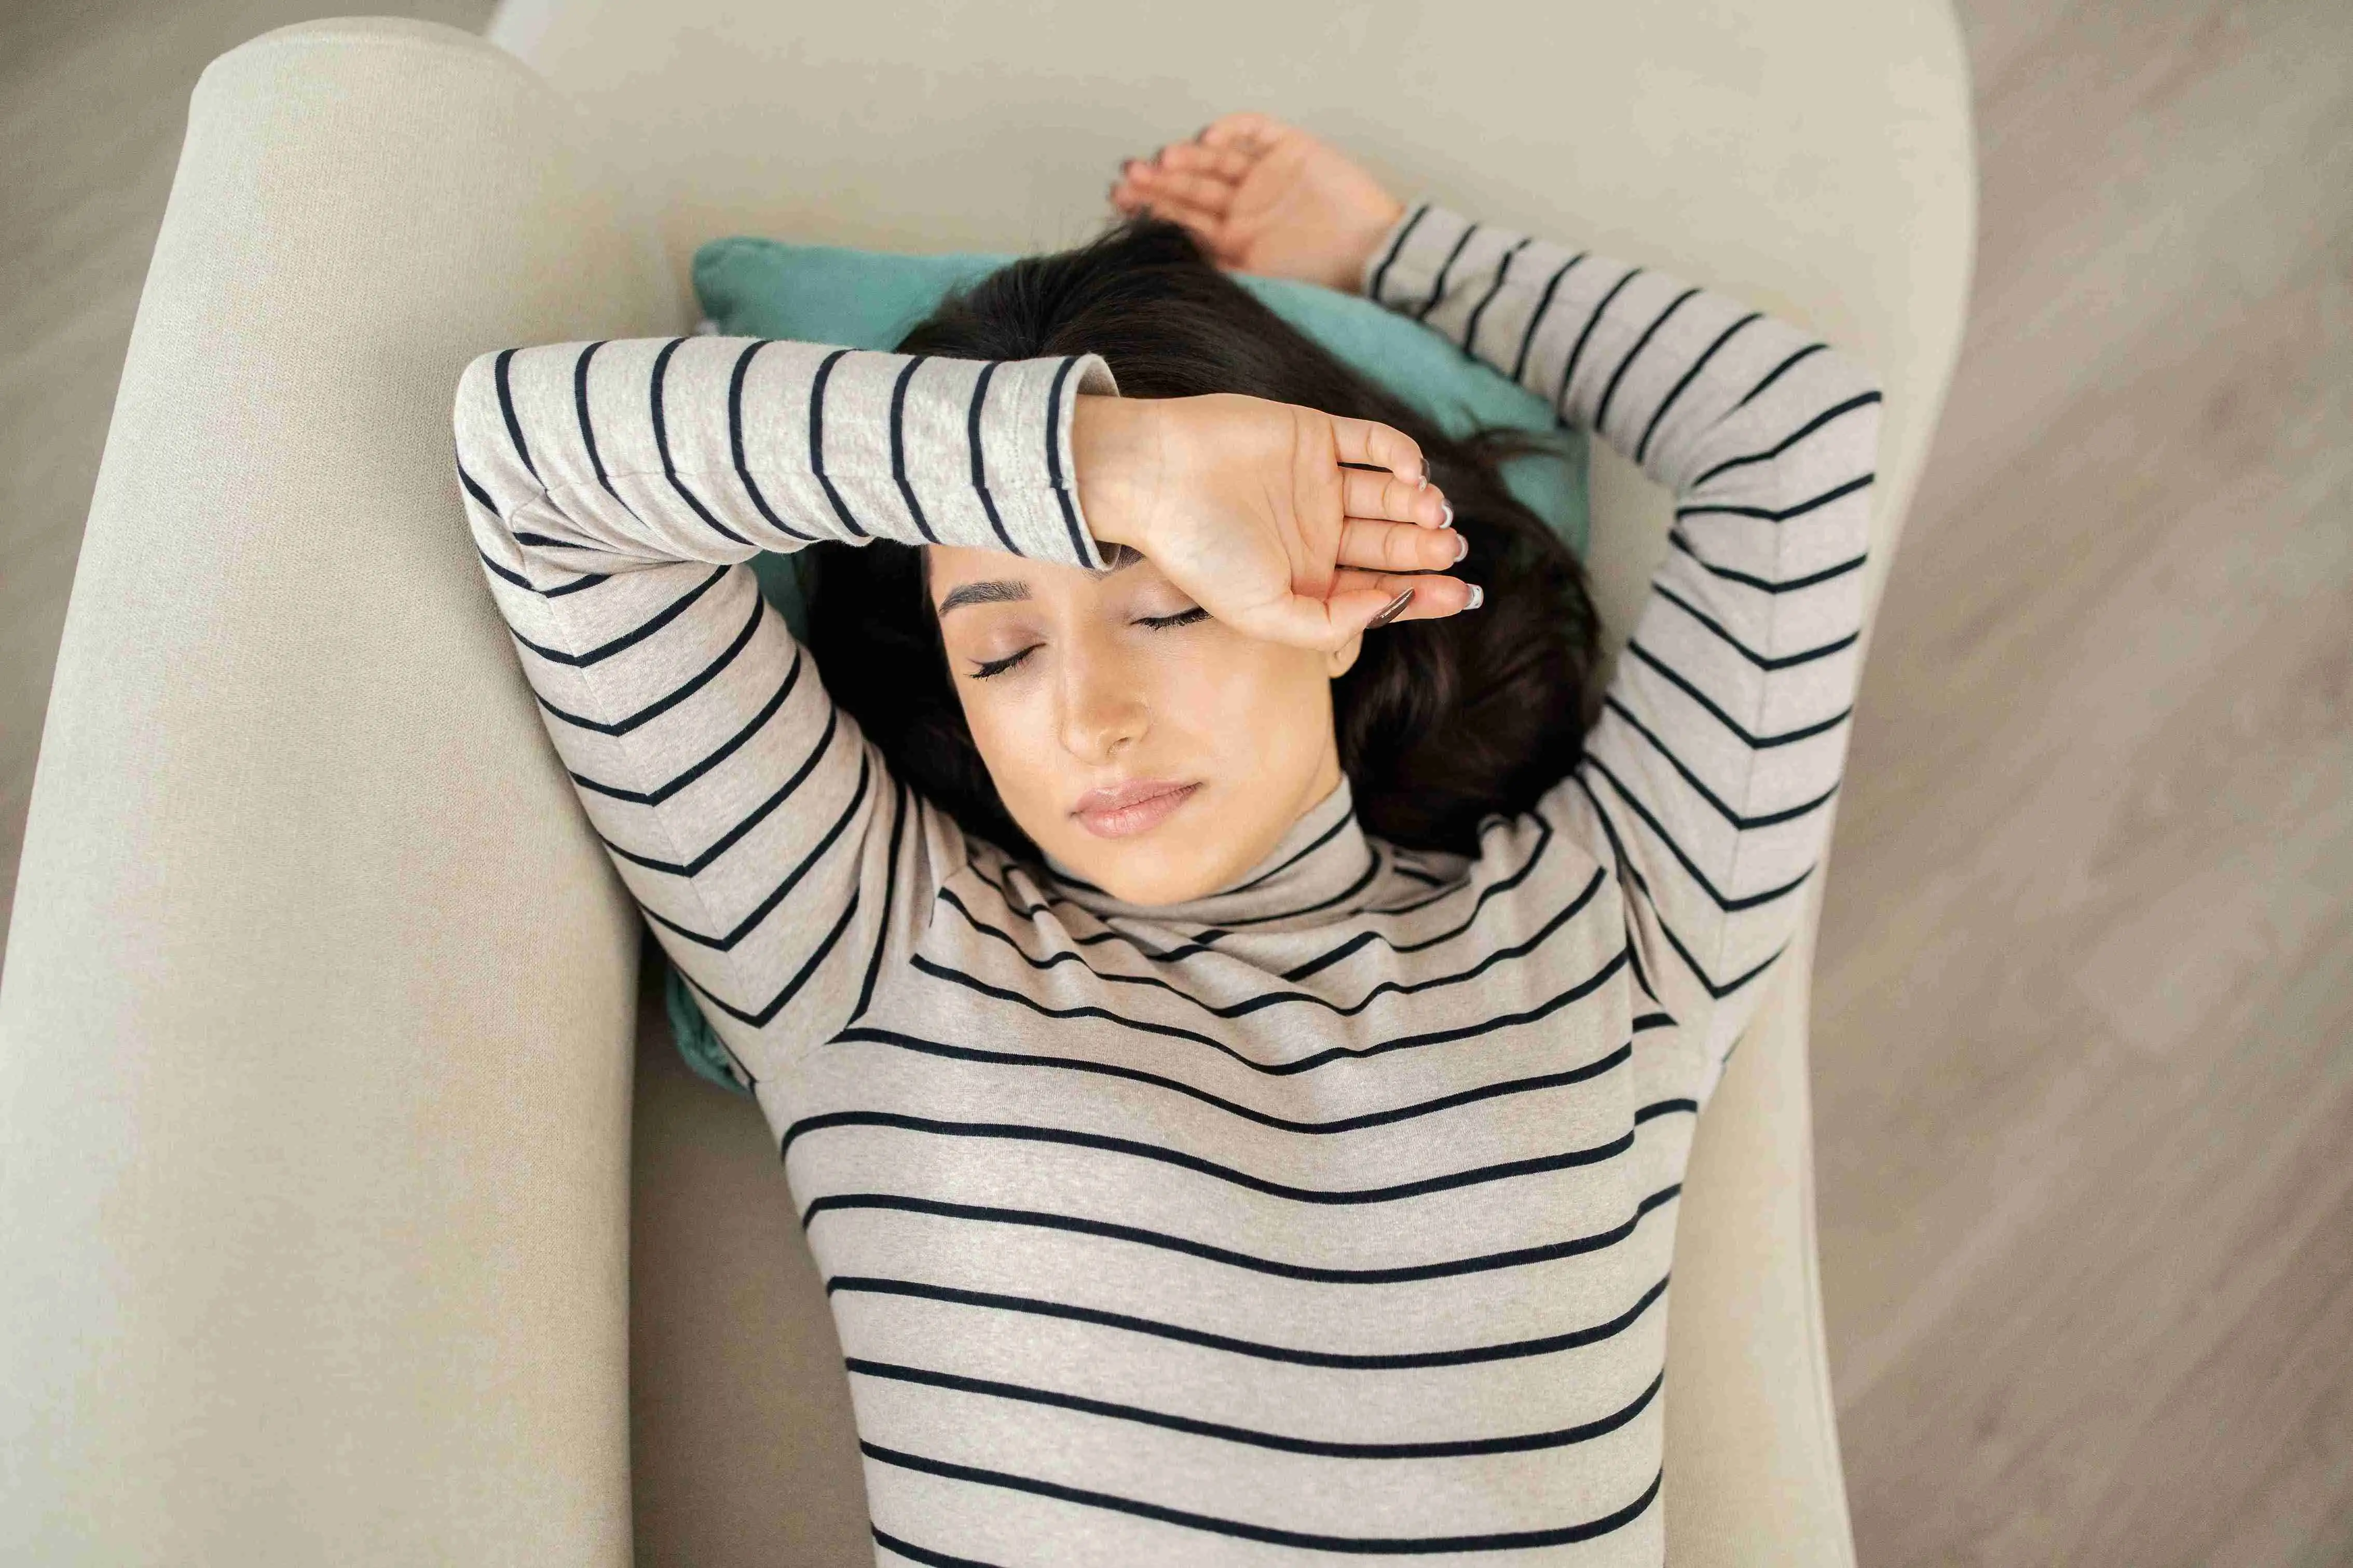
[1222, 1182]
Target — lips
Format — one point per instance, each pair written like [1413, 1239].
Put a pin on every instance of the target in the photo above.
[1136, 807]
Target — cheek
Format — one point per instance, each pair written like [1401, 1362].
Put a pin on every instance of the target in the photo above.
[1250, 711]
[1012, 722]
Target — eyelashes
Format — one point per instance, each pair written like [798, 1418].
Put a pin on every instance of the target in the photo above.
[996, 667]
[999, 665]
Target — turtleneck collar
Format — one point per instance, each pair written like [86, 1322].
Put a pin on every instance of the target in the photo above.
[1322, 869]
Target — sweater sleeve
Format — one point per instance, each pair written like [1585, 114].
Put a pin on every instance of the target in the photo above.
[1707, 777]
[616, 491]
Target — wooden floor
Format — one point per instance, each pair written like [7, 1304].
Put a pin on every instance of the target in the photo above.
[2084, 1027]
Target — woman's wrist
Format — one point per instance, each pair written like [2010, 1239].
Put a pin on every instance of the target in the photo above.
[1115, 451]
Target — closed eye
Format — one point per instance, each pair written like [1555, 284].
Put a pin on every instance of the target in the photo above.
[999, 665]
[1182, 618]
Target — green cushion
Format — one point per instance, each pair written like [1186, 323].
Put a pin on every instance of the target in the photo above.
[870, 300]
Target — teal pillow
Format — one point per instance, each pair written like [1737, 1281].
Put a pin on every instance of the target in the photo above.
[870, 300]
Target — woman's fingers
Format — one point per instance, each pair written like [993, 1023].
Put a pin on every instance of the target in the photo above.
[1225, 164]
[1249, 132]
[1374, 544]
[1377, 493]
[1179, 187]
[1358, 442]
[1434, 598]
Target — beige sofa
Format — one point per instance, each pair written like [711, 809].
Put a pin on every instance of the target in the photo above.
[354, 1209]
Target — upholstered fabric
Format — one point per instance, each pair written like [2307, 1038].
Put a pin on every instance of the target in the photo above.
[315, 1014]
[315, 1030]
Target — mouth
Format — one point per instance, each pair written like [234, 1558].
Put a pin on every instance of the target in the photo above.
[1136, 807]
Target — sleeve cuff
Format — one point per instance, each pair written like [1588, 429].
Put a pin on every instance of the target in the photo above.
[1032, 480]
[1404, 270]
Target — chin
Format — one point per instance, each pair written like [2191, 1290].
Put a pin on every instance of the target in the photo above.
[1144, 881]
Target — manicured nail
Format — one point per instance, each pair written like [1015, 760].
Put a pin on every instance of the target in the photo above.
[1462, 545]
[1478, 597]
[1396, 609]
[1449, 512]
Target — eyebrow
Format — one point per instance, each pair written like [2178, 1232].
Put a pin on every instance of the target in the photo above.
[1007, 591]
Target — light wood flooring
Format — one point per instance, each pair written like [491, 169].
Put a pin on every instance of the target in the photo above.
[2085, 1014]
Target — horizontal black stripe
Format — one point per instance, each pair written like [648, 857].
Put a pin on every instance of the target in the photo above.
[1691, 373]
[662, 446]
[1618, 376]
[1641, 885]
[585, 580]
[1777, 372]
[1368, 1546]
[759, 1017]
[1321, 840]
[628, 639]
[1729, 903]
[1665, 1108]
[1278, 1069]
[1338, 1361]
[1109, 934]
[792, 878]
[1768, 584]
[1275, 998]
[1712, 508]
[1019, 1132]
[1437, 286]
[663, 705]
[1744, 824]
[1835, 411]
[1536, 318]
[735, 379]
[481, 497]
[734, 835]
[1397, 1274]
[1595, 1068]
[726, 749]
[506, 406]
[1470, 340]
[923, 1554]
[1397, 247]
[517, 578]
[1762, 661]
[1372, 870]
[1753, 742]
[1460, 1449]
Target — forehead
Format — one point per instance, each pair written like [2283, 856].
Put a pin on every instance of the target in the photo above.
[965, 576]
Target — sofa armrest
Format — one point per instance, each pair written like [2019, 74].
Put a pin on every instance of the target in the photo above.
[315, 1030]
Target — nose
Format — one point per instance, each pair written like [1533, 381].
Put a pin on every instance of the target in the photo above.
[1104, 710]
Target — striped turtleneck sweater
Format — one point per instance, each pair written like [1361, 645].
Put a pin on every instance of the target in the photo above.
[1328, 1216]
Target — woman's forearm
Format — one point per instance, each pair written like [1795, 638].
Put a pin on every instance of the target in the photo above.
[712, 449]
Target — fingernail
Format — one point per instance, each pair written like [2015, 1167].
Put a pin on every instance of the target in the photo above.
[1462, 545]
[1449, 512]
[1396, 609]
[1478, 597]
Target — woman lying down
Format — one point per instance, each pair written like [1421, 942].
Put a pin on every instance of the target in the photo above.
[1233, 1000]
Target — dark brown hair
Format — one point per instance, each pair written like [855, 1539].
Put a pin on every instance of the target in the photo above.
[1440, 723]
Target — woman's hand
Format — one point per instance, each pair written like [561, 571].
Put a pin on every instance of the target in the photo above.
[1262, 196]
[1287, 524]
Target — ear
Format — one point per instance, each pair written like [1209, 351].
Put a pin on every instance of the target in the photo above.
[1342, 659]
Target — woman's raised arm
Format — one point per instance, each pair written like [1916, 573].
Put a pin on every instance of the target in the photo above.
[615, 490]
[1709, 775]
